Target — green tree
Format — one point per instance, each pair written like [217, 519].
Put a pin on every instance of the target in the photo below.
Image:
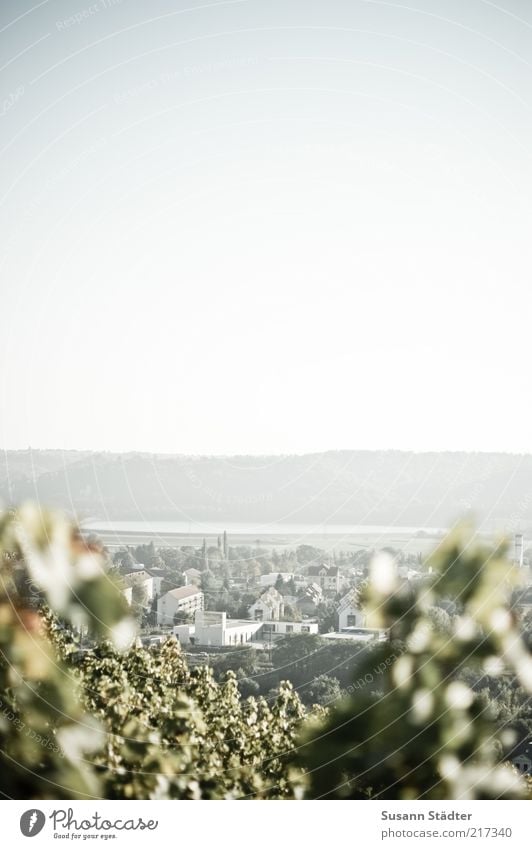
[139, 601]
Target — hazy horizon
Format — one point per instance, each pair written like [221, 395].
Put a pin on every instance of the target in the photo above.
[337, 487]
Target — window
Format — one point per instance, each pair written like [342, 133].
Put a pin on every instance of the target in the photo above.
[289, 629]
[305, 629]
[351, 620]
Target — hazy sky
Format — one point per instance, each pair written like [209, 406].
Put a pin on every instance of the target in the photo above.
[265, 225]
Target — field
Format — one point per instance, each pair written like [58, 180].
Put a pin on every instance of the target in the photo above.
[422, 542]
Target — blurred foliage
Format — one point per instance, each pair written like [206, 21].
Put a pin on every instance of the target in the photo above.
[117, 721]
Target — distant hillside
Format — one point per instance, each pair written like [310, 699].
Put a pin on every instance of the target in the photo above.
[344, 487]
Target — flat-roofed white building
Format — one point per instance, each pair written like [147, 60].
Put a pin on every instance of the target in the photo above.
[139, 582]
[192, 577]
[274, 627]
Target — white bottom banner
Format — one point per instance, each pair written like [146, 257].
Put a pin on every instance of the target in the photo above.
[262, 825]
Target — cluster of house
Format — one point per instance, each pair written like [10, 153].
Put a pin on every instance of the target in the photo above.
[266, 622]
[311, 588]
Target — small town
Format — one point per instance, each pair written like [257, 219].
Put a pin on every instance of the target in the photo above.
[244, 608]
[236, 596]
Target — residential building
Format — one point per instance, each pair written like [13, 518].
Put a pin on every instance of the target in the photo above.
[127, 592]
[328, 577]
[522, 758]
[181, 600]
[276, 628]
[350, 614]
[213, 628]
[307, 602]
[158, 575]
[357, 635]
[144, 581]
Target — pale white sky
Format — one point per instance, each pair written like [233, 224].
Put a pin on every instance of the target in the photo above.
[266, 227]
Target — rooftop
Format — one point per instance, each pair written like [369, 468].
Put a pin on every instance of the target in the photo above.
[241, 623]
[350, 599]
[133, 580]
[323, 569]
[183, 592]
[363, 635]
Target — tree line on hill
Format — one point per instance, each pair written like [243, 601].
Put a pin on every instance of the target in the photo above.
[347, 487]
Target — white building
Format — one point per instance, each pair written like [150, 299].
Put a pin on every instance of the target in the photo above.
[270, 605]
[308, 601]
[270, 579]
[358, 635]
[523, 759]
[181, 600]
[158, 578]
[213, 628]
[518, 551]
[276, 628]
[192, 577]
